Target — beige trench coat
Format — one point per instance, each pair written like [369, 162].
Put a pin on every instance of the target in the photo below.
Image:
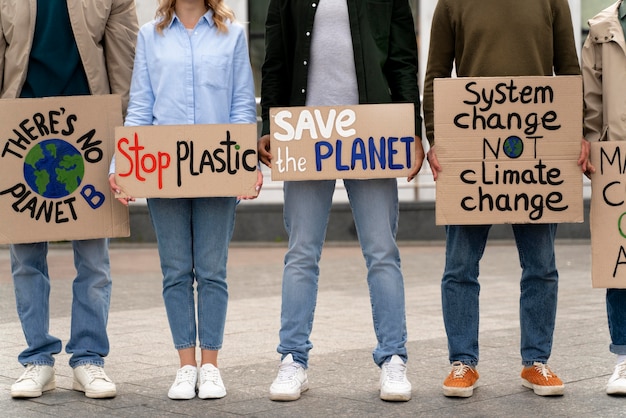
[105, 32]
[604, 76]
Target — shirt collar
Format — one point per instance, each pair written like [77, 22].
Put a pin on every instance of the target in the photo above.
[208, 17]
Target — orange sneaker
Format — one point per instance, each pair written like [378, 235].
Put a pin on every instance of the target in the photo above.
[461, 380]
[542, 380]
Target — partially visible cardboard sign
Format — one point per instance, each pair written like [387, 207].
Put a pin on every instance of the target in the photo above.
[508, 148]
[186, 160]
[608, 214]
[342, 142]
[54, 160]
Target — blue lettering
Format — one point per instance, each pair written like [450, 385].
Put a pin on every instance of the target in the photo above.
[358, 154]
[408, 140]
[384, 152]
[379, 153]
[94, 198]
[340, 167]
[319, 156]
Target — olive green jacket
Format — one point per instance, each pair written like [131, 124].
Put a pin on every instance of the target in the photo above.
[498, 38]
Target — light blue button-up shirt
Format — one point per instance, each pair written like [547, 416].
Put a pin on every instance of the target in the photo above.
[200, 76]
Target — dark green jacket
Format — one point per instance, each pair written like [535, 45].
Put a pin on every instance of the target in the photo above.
[385, 53]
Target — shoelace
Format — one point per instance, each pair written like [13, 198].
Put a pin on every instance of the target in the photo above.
[395, 372]
[459, 369]
[185, 375]
[287, 372]
[95, 372]
[210, 375]
[544, 370]
[621, 370]
[31, 372]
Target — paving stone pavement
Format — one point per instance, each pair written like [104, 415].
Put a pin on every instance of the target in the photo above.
[342, 375]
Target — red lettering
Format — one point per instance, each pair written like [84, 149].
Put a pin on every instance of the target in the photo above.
[143, 163]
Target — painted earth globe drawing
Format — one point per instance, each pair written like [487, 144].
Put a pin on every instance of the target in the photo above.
[54, 168]
[513, 147]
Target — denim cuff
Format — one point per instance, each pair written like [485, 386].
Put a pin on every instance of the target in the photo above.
[617, 349]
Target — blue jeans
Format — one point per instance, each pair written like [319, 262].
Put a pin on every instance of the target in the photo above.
[539, 285]
[375, 210]
[193, 237]
[91, 289]
[616, 311]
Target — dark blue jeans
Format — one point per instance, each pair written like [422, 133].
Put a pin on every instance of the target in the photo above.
[616, 311]
[539, 285]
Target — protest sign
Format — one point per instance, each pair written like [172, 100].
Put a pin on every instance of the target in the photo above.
[608, 214]
[342, 142]
[53, 169]
[186, 160]
[508, 148]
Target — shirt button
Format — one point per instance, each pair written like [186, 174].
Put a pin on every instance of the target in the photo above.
[304, 62]
[308, 34]
[314, 5]
[303, 90]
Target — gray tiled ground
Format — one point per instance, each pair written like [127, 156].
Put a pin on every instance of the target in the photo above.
[342, 375]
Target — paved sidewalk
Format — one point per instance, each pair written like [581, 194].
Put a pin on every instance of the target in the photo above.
[343, 378]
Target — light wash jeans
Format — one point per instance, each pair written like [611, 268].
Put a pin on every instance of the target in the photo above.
[539, 285]
[375, 210]
[91, 289]
[616, 311]
[193, 237]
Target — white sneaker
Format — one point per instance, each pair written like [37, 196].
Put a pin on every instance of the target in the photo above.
[394, 386]
[291, 381]
[35, 380]
[184, 387]
[92, 380]
[211, 385]
[617, 381]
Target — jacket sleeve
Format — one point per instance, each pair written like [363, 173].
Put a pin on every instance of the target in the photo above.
[592, 91]
[440, 62]
[564, 47]
[274, 81]
[120, 37]
[401, 67]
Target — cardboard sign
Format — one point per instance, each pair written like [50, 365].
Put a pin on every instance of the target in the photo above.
[608, 214]
[342, 142]
[53, 169]
[508, 148]
[186, 160]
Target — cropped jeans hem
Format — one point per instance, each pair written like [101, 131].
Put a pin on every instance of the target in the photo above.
[86, 362]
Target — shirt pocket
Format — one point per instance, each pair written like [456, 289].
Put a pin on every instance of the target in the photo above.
[214, 71]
